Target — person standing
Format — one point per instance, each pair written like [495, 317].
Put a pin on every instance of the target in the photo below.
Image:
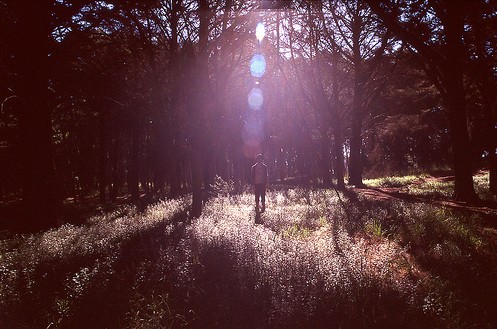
[259, 179]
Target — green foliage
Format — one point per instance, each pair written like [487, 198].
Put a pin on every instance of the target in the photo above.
[392, 181]
[481, 182]
[295, 231]
[436, 189]
[375, 229]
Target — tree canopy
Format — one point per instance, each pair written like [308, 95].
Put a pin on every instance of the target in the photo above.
[111, 98]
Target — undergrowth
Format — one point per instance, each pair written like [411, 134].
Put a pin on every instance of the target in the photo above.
[312, 261]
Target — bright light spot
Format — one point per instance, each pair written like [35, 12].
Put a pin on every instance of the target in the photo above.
[260, 31]
[60, 33]
[258, 65]
[255, 99]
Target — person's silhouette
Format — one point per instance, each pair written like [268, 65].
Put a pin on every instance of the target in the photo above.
[259, 179]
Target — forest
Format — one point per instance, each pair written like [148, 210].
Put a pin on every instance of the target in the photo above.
[128, 130]
[140, 97]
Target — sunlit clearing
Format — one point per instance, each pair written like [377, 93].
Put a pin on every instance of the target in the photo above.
[260, 32]
[258, 65]
[255, 99]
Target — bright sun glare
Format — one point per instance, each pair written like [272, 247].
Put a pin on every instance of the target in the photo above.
[260, 32]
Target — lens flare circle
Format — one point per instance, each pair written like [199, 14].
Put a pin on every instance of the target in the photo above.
[258, 65]
[255, 99]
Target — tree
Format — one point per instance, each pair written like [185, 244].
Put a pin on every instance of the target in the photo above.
[27, 34]
[411, 133]
[362, 42]
[481, 45]
[435, 30]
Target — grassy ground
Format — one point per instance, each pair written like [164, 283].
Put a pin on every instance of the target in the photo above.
[312, 260]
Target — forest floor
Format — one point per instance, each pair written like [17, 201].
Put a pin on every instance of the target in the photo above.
[399, 253]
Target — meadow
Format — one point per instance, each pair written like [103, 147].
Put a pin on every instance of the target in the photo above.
[317, 258]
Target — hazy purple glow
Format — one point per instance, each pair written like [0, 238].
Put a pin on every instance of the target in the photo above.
[255, 99]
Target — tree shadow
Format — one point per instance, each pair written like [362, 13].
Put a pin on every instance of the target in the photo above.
[447, 242]
[103, 281]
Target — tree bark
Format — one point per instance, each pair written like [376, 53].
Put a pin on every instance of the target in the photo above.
[30, 49]
[325, 158]
[338, 150]
[337, 127]
[102, 166]
[134, 171]
[455, 100]
[198, 107]
[355, 163]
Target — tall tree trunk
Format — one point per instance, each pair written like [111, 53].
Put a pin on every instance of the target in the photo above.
[196, 183]
[325, 158]
[338, 150]
[456, 104]
[30, 51]
[337, 127]
[488, 89]
[102, 165]
[355, 161]
[355, 164]
[175, 175]
[134, 171]
[198, 104]
[493, 168]
[114, 184]
[176, 162]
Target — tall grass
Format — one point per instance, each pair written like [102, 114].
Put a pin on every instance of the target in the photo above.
[424, 185]
[64, 277]
[269, 278]
[309, 261]
[393, 181]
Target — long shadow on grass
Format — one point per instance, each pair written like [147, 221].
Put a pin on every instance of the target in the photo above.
[239, 290]
[136, 276]
[446, 243]
[93, 290]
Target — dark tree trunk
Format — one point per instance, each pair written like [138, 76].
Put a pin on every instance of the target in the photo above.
[134, 171]
[198, 107]
[102, 165]
[30, 58]
[339, 161]
[492, 145]
[196, 184]
[115, 184]
[456, 104]
[175, 172]
[355, 163]
[337, 127]
[325, 159]
[493, 171]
